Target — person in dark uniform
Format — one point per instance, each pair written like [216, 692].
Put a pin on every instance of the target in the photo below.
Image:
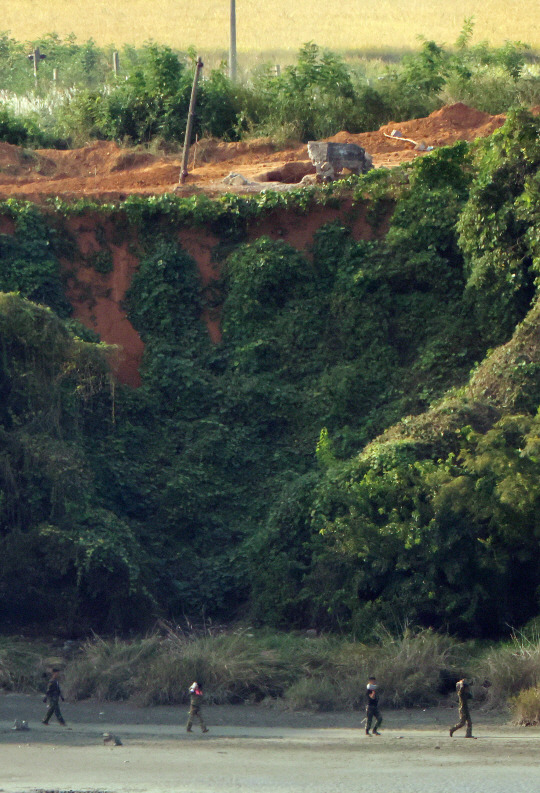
[195, 703]
[53, 695]
[464, 695]
[372, 707]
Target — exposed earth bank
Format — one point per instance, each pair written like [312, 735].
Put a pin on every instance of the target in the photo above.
[255, 749]
[104, 170]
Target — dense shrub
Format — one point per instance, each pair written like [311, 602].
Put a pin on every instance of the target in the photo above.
[526, 707]
[21, 131]
[498, 253]
[252, 475]
[22, 666]
[512, 670]
[315, 97]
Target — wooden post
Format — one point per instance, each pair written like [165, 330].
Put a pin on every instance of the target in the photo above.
[115, 63]
[232, 47]
[190, 119]
[36, 58]
[55, 75]
[278, 70]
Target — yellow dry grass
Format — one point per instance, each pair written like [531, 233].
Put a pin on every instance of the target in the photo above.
[275, 27]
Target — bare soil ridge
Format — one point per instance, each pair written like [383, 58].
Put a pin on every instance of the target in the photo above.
[105, 171]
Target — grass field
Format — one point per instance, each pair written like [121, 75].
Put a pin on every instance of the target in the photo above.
[365, 26]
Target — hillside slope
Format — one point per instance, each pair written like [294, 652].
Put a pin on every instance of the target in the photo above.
[357, 443]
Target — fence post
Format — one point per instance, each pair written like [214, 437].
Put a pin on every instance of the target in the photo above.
[36, 57]
[115, 63]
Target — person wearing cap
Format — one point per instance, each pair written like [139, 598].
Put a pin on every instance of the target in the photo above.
[372, 707]
[464, 695]
[195, 703]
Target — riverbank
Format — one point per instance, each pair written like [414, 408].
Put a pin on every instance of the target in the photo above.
[257, 749]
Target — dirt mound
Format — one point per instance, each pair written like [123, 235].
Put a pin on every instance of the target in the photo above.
[15, 161]
[104, 170]
[100, 158]
[447, 125]
[9, 155]
[442, 128]
[212, 150]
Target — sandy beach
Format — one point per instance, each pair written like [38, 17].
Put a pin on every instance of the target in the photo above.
[251, 749]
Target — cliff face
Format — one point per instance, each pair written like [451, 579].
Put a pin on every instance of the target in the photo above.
[103, 257]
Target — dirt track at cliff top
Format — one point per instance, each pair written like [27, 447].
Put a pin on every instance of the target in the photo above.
[105, 171]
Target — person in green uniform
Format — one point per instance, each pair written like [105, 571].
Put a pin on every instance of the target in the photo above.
[195, 703]
[53, 695]
[372, 707]
[464, 695]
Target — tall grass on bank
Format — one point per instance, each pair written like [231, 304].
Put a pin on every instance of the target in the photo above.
[322, 673]
[511, 668]
[23, 664]
[526, 707]
[297, 671]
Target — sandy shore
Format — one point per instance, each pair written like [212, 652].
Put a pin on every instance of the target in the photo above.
[251, 750]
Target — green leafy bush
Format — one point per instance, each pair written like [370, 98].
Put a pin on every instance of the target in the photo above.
[493, 235]
[21, 131]
[315, 97]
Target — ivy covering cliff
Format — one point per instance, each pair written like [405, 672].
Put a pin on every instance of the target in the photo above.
[362, 447]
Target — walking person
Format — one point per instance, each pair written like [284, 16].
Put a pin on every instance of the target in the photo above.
[464, 695]
[372, 707]
[53, 695]
[195, 704]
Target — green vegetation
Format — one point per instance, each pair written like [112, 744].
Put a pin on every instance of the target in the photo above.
[361, 449]
[513, 671]
[315, 97]
[526, 707]
[22, 664]
[321, 673]
[297, 671]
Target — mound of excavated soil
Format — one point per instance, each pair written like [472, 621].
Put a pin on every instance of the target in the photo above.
[441, 128]
[103, 169]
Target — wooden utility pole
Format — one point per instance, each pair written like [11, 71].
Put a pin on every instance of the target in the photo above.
[232, 46]
[190, 119]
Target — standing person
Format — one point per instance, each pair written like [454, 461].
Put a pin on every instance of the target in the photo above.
[372, 707]
[195, 703]
[464, 695]
[53, 695]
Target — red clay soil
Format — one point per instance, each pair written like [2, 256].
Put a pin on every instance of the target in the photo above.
[97, 298]
[105, 171]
